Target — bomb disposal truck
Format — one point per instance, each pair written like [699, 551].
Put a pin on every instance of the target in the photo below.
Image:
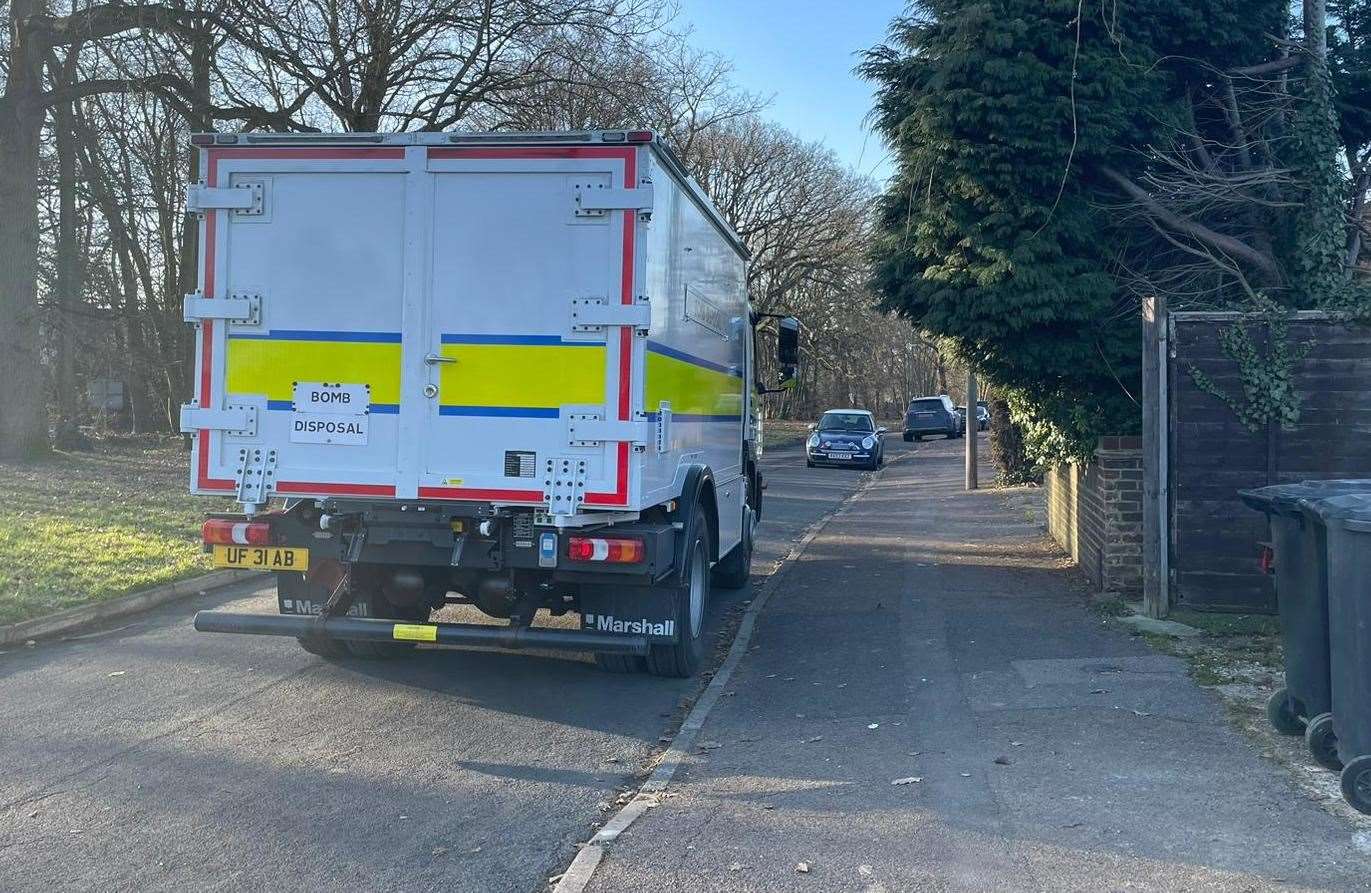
[508, 370]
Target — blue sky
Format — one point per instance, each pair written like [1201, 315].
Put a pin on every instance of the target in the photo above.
[801, 53]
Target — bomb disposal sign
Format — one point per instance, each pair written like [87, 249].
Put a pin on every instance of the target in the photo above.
[330, 413]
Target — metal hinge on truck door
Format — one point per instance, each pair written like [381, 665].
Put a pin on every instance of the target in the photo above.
[243, 199]
[596, 316]
[593, 200]
[564, 484]
[663, 427]
[255, 475]
[586, 426]
[240, 308]
[236, 419]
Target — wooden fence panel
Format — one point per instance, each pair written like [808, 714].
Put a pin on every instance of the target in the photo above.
[1212, 455]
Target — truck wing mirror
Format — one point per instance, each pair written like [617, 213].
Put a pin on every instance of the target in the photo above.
[788, 351]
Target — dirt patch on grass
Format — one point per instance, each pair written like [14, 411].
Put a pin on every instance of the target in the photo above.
[80, 527]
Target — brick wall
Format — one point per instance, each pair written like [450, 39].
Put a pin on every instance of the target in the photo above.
[1094, 512]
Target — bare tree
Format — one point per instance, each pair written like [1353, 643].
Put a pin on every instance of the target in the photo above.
[417, 64]
[1245, 198]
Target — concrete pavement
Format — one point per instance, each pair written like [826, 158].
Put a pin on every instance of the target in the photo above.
[935, 638]
[149, 756]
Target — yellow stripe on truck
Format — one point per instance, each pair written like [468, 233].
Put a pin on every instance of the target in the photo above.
[495, 375]
[524, 376]
[271, 367]
[691, 389]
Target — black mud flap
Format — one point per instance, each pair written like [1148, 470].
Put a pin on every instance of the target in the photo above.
[638, 611]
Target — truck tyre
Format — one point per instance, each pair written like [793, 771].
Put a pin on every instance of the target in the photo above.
[328, 649]
[380, 607]
[689, 594]
[734, 570]
[619, 663]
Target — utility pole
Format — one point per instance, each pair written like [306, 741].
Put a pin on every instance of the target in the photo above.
[972, 430]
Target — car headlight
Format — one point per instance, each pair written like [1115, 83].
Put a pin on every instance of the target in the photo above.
[813, 441]
[868, 442]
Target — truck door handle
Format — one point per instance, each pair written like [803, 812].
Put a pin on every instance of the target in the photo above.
[434, 359]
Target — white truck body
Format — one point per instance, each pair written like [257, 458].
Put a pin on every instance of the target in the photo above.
[548, 320]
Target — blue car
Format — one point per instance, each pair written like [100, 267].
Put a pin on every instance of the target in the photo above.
[846, 437]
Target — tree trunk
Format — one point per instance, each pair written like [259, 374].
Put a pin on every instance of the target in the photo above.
[182, 385]
[136, 354]
[23, 407]
[68, 288]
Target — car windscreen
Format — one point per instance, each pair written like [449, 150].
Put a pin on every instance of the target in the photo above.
[854, 422]
[925, 405]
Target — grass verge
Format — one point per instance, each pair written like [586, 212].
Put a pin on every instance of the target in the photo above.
[82, 527]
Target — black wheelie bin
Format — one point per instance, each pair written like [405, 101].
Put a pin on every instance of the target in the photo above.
[1304, 705]
[1347, 522]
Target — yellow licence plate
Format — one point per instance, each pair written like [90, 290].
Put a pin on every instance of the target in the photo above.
[263, 558]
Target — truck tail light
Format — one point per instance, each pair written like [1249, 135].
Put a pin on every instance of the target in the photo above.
[224, 532]
[615, 551]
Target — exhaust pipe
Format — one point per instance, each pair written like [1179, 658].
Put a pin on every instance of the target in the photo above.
[360, 629]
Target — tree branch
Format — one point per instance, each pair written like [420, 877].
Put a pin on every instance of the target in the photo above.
[106, 20]
[1226, 244]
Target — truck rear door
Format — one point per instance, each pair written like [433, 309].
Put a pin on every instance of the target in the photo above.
[397, 321]
[311, 358]
[515, 253]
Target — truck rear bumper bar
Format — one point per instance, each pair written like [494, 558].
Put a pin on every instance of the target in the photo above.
[368, 630]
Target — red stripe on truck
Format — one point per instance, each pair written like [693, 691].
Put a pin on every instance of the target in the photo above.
[628, 155]
[213, 157]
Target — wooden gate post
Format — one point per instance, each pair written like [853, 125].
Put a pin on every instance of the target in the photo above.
[1156, 588]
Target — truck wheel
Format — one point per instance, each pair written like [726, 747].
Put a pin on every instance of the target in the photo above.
[328, 649]
[689, 595]
[619, 663]
[736, 567]
[380, 607]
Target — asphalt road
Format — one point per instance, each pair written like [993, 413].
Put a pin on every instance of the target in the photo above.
[150, 756]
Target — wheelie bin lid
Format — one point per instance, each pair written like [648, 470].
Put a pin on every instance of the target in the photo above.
[1288, 499]
[1352, 510]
